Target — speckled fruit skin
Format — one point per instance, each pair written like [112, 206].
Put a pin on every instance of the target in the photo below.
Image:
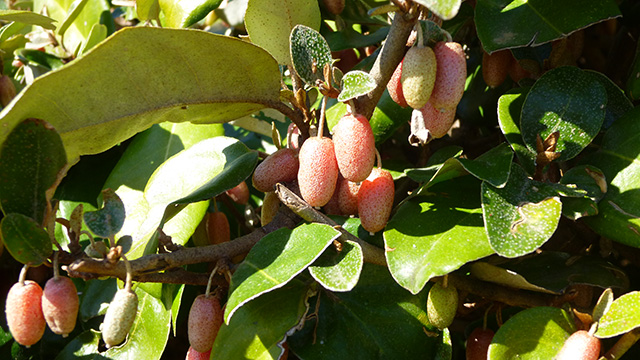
[318, 171]
[348, 196]
[438, 122]
[60, 305]
[495, 67]
[205, 319]
[442, 304]
[375, 200]
[355, 147]
[451, 75]
[478, 343]
[281, 166]
[24, 313]
[394, 86]
[418, 76]
[580, 346]
[218, 228]
[193, 354]
[239, 193]
[119, 317]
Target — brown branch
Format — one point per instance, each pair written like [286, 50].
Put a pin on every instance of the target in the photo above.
[294, 115]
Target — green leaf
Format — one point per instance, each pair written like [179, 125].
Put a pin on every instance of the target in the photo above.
[619, 160]
[623, 316]
[520, 217]
[339, 271]
[270, 26]
[31, 159]
[509, 111]
[356, 83]
[435, 162]
[160, 85]
[25, 239]
[617, 104]
[72, 14]
[82, 346]
[182, 14]
[27, 17]
[435, 234]
[97, 34]
[376, 320]
[37, 57]
[96, 297]
[588, 178]
[261, 324]
[445, 346]
[445, 9]
[147, 9]
[432, 33]
[309, 53]
[603, 305]
[536, 333]
[505, 24]
[275, 260]
[493, 166]
[107, 221]
[568, 100]
[633, 82]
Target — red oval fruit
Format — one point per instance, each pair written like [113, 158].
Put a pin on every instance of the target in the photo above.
[205, 319]
[239, 193]
[495, 67]
[394, 86]
[348, 196]
[193, 354]
[355, 147]
[281, 166]
[451, 75]
[218, 228]
[438, 122]
[478, 343]
[318, 171]
[375, 200]
[60, 305]
[418, 76]
[24, 313]
[580, 346]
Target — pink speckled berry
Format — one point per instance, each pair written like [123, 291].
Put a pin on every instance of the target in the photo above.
[60, 305]
[348, 196]
[205, 319]
[375, 200]
[281, 166]
[24, 313]
[580, 346]
[318, 171]
[394, 86]
[451, 75]
[239, 193]
[193, 354]
[355, 147]
[438, 122]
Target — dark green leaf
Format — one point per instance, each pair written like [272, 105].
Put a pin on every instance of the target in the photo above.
[633, 82]
[617, 104]
[107, 221]
[27, 17]
[493, 166]
[505, 24]
[83, 346]
[445, 347]
[339, 271]
[435, 162]
[445, 9]
[356, 83]
[351, 39]
[96, 297]
[32, 56]
[309, 53]
[432, 33]
[25, 239]
[590, 179]
[623, 316]
[182, 14]
[568, 100]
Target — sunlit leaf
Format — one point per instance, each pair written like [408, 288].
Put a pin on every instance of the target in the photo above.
[445, 9]
[182, 14]
[339, 271]
[27, 17]
[623, 316]
[309, 53]
[356, 83]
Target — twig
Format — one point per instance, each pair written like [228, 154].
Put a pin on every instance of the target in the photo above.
[506, 295]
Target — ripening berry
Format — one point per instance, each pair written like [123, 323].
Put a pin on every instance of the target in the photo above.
[495, 67]
[438, 122]
[355, 147]
[239, 193]
[418, 76]
[24, 313]
[332, 207]
[60, 304]
[218, 228]
[119, 317]
[334, 6]
[580, 346]
[293, 137]
[442, 304]
[281, 166]
[193, 354]
[375, 200]
[7, 90]
[269, 209]
[517, 72]
[205, 319]
[318, 171]
[478, 343]
[451, 75]
[348, 196]
[394, 86]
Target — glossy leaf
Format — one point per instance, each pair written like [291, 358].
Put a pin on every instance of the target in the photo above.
[520, 217]
[536, 333]
[339, 271]
[590, 179]
[31, 159]
[623, 316]
[356, 83]
[25, 240]
[96, 297]
[270, 26]
[603, 305]
[617, 102]
[27, 17]
[432, 33]
[488, 272]
[445, 10]
[567, 100]
[435, 234]
[82, 346]
[182, 14]
[509, 111]
[309, 53]
[493, 166]
[147, 9]
[505, 24]
[450, 169]
[633, 81]
[107, 221]
[72, 13]
[159, 86]
[435, 162]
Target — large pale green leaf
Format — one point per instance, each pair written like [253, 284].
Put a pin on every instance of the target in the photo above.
[27, 17]
[356, 83]
[262, 324]
[376, 320]
[31, 158]
[567, 100]
[532, 334]
[275, 260]
[435, 234]
[339, 270]
[270, 26]
[514, 23]
[309, 53]
[174, 75]
[445, 9]
[623, 316]
[509, 111]
[181, 14]
[520, 217]
[25, 240]
[619, 159]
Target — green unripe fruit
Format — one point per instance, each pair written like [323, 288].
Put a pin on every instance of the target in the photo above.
[318, 171]
[119, 317]
[580, 346]
[60, 304]
[375, 200]
[418, 76]
[193, 354]
[24, 313]
[451, 75]
[205, 319]
[281, 166]
[478, 343]
[355, 147]
[394, 86]
[442, 304]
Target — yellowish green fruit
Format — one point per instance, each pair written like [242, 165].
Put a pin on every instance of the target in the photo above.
[119, 317]
[442, 304]
[418, 76]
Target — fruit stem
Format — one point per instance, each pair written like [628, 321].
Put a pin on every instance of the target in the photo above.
[445, 281]
[420, 35]
[128, 280]
[321, 120]
[378, 159]
[486, 315]
[56, 271]
[23, 274]
[215, 270]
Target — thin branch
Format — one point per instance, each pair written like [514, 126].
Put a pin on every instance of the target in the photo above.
[294, 115]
